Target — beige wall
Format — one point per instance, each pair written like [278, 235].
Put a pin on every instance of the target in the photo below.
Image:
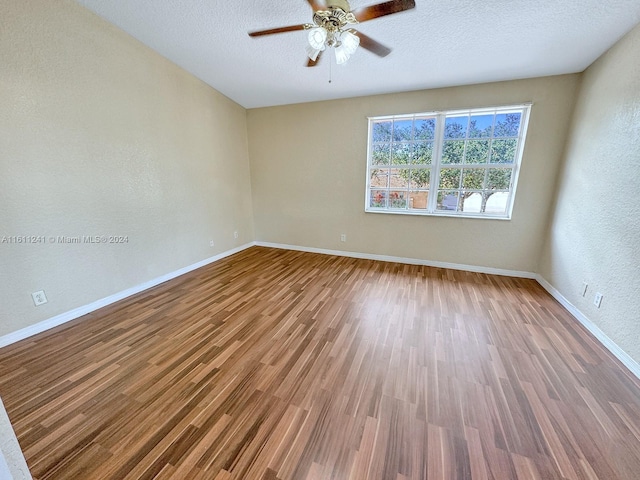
[308, 166]
[594, 234]
[102, 136]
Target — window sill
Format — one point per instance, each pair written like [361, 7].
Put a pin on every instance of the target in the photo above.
[441, 213]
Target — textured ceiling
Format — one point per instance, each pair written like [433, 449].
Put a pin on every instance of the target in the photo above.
[439, 43]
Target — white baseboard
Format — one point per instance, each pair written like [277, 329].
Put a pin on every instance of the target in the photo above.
[52, 322]
[410, 261]
[609, 344]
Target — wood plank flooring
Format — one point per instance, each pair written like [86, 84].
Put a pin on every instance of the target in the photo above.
[276, 364]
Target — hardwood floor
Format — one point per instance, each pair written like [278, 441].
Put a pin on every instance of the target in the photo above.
[275, 364]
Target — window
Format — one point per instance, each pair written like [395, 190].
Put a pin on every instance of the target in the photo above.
[455, 163]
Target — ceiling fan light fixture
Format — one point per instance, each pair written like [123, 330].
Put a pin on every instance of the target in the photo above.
[341, 56]
[317, 38]
[312, 53]
[348, 44]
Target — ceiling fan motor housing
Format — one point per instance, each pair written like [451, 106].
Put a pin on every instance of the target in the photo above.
[336, 17]
[341, 4]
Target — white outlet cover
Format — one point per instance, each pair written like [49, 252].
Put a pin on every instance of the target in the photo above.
[597, 299]
[39, 298]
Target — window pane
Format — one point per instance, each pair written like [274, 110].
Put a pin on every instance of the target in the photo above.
[382, 131]
[379, 178]
[471, 202]
[397, 199]
[425, 128]
[477, 151]
[401, 153]
[507, 125]
[456, 127]
[420, 178]
[480, 126]
[448, 201]
[449, 178]
[503, 151]
[422, 153]
[399, 178]
[378, 199]
[473, 172]
[496, 203]
[380, 154]
[402, 130]
[418, 200]
[473, 179]
[453, 151]
[499, 179]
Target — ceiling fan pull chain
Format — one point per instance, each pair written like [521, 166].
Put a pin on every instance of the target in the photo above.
[330, 71]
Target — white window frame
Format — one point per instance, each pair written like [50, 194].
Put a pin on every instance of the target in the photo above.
[437, 164]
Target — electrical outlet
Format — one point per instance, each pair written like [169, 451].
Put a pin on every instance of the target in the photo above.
[212, 243]
[597, 299]
[235, 234]
[585, 285]
[343, 237]
[39, 298]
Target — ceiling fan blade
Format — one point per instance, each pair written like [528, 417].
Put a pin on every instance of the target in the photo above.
[291, 28]
[372, 45]
[313, 63]
[363, 14]
[317, 5]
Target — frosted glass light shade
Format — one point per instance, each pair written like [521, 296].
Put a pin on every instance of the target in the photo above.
[317, 38]
[341, 55]
[350, 42]
[348, 45]
[312, 53]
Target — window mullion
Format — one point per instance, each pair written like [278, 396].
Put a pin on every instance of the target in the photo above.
[435, 163]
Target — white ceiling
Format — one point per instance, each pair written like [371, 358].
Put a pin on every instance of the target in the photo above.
[439, 43]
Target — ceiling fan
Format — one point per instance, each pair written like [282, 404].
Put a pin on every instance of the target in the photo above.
[331, 28]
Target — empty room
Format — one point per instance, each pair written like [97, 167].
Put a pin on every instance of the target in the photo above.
[319, 239]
